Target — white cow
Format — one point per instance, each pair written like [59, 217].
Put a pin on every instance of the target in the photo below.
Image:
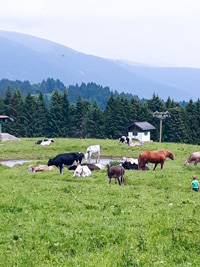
[131, 160]
[93, 150]
[82, 171]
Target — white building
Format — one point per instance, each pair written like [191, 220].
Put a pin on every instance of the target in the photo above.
[140, 131]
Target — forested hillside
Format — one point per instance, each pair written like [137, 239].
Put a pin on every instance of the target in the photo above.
[33, 118]
[90, 91]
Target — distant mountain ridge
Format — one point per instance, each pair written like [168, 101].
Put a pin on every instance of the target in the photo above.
[25, 57]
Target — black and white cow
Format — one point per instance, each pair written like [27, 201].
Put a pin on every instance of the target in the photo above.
[45, 142]
[124, 139]
[66, 159]
[127, 165]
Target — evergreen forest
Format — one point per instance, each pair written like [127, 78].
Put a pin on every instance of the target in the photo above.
[33, 117]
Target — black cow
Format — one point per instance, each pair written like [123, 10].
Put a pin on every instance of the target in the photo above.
[66, 159]
[132, 166]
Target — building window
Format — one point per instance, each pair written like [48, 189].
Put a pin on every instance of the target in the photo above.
[146, 133]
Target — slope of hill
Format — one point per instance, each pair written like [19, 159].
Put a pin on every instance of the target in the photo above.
[24, 57]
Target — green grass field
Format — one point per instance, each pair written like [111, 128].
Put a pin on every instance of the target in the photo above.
[48, 219]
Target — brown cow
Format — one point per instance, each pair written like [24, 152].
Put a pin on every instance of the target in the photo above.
[116, 172]
[193, 158]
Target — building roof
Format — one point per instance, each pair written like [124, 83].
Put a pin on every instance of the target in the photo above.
[143, 125]
[4, 118]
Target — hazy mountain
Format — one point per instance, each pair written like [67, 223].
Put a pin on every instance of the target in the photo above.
[24, 57]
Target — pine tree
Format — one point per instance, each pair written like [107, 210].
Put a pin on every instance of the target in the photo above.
[41, 125]
[29, 116]
[82, 109]
[191, 122]
[16, 127]
[197, 106]
[7, 101]
[174, 127]
[66, 117]
[95, 122]
[110, 117]
[55, 118]
[2, 106]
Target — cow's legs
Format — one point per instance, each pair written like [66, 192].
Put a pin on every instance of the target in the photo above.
[89, 156]
[109, 180]
[98, 157]
[61, 169]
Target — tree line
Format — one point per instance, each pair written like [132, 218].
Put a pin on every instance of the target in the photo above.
[89, 91]
[83, 119]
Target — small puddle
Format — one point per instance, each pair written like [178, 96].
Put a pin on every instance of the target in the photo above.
[103, 161]
[12, 163]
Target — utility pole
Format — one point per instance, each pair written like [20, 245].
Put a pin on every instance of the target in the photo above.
[161, 116]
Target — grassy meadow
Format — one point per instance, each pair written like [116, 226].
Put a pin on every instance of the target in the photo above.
[48, 219]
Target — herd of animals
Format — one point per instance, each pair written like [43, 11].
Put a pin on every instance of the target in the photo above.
[73, 161]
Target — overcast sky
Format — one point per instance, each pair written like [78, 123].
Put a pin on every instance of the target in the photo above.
[156, 32]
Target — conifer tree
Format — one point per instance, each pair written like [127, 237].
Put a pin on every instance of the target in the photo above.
[55, 117]
[197, 106]
[2, 106]
[29, 116]
[66, 118]
[16, 127]
[7, 101]
[95, 122]
[191, 122]
[82, 109]
[174, 127]
[41, 125]
[110, 118]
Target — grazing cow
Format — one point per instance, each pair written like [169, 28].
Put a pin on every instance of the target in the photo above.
[95, 149]
[156, 157]
[83, 171]
[122, 139]
[66, 159]
[125, 139]
[39, 168]
[193, 158]
[116, 172]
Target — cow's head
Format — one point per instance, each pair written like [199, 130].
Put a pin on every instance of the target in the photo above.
[78, 171]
